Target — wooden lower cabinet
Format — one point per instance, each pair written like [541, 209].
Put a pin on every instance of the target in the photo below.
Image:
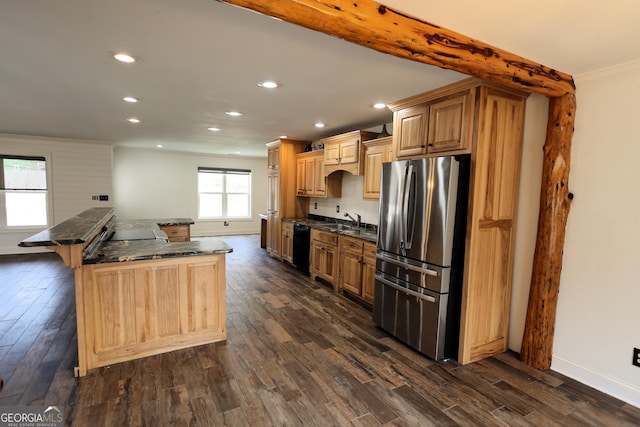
[357, 267]
[136, 309]
[287, 241]
[177, 233]
[324, 256]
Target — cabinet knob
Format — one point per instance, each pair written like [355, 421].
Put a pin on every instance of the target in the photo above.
[430, 145]
[422, 146]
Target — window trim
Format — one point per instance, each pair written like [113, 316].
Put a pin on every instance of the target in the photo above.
[25, 155]
[226, 171]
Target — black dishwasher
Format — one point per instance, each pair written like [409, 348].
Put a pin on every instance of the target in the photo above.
[301, 246]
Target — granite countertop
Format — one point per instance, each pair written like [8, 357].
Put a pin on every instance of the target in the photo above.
[352, 231]
[139, 250]
[82, 227]
[70, 232]
[151, 223]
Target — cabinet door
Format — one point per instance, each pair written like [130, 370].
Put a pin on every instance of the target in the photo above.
[332, 154]
[273, 217]
[301, 189]
[373, 158]
[447, 125]
[273, 158]
[273, 233]
[351, 272]
[318, 258]
[309, 176]
[410, 126]
[273, 192]
[331, 263]
[368, 276]
[287, 242]
[319, 184]
[349, 151]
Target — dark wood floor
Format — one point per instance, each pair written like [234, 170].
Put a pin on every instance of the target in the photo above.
[296, 354]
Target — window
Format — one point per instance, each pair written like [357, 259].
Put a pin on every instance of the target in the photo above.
[23, 191]
[224, 193]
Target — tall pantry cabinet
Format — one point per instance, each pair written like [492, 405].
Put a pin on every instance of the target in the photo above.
[486, 121]
[281, 190]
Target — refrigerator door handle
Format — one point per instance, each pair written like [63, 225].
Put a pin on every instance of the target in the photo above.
[426, 271]
[405, 290]
[406, 183]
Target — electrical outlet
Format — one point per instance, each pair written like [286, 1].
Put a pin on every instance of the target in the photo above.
[103, 197]
[315, 205]
[636, 357]
[226, 223]
[338, 208]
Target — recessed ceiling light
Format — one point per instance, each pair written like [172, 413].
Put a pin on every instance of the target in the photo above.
[159, 145]
[319, 125]
[268, 84]
[124, 57]
[130, 99]
[133, 120]
[379, 105]
[233, 113]
[213, 129]
[283, 137]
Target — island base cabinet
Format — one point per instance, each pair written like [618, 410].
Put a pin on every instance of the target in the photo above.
[142, 308]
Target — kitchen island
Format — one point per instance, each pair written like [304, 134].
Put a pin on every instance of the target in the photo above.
[140, 295]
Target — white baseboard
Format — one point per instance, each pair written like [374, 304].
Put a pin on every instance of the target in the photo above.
[615, 387]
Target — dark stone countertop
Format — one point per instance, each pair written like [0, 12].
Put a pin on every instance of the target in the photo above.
[139, 250]
[80, 228]
[70, 232]
[360, 233]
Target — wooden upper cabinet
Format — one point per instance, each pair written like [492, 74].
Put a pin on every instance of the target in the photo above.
[311, 180]
[309, 174]
[449, 122]
[376, 152]
[319, 180]
[433, 123]
[342, 152]
[409, 128]
[332, 154]
[301, 183]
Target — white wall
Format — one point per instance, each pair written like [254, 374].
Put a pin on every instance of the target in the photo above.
[351, 202]
[535, 125]
[163, 184]
[598, 309]
[77, 170]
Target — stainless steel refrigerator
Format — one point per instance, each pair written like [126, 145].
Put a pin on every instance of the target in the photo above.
[420, 254]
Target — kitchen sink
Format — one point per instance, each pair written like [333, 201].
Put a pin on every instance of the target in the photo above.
[339, 227]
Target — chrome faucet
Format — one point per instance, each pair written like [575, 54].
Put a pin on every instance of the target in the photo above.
[357, 221]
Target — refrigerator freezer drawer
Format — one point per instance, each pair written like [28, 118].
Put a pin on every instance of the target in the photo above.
[416, 318]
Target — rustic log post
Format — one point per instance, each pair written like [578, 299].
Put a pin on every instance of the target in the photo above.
[555, 200]
[373, 25]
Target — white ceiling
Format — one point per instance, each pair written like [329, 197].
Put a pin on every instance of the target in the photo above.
[200, 58]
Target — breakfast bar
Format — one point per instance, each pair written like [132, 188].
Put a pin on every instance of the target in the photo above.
[138, 293]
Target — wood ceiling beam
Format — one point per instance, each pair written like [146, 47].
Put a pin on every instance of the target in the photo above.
[373, 25]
